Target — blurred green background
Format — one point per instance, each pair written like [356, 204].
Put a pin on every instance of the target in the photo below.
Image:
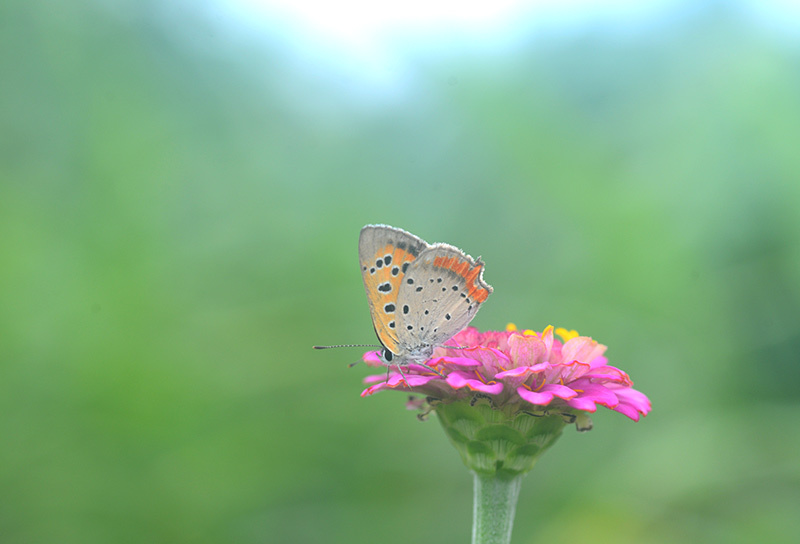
[180, 199]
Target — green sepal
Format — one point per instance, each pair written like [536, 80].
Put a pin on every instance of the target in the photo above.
[499, 441]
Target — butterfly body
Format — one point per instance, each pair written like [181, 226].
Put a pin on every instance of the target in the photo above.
[419, 294]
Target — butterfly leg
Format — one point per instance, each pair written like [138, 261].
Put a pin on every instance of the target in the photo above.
[423, 365]
[400, 370]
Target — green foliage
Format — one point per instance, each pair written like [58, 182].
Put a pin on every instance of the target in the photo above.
[179, 211]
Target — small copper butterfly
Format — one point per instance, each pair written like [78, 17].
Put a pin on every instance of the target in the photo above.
[420, 295]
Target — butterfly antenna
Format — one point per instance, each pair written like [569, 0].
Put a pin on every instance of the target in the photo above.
[351, 365]
[347, 346]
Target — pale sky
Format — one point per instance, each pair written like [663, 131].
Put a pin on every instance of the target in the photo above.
[372, 40]
[360, 23]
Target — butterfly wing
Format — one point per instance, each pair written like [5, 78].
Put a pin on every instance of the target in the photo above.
[440, 294]
[385, 253]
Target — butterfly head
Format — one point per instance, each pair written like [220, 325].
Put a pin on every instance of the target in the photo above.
[418, 354]
[387, 356]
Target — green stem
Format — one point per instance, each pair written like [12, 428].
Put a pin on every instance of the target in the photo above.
[493, 512]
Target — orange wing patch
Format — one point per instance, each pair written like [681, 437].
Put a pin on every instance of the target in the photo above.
[470, 274]
[383, 274]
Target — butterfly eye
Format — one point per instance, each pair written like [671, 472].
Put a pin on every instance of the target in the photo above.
[387, 355]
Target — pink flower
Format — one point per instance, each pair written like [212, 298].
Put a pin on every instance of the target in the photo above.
[535, 371]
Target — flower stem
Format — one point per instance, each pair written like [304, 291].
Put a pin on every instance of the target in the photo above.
[493, 512]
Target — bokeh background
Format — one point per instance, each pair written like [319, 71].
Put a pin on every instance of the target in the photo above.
[181, 189]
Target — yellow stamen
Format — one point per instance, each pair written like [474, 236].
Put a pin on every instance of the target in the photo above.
[511, 327]
[566, 335]
[528, 332]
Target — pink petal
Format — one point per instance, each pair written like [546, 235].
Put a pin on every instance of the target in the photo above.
[374, 389]
[547, 338]
[581, 348]
[633, 398]
[496, 339]
[522, 371]
[457, 380]
[372, 357]
[526, 350]
[374, 378]
[560, 391]
[628, 410]
[568, 371]
[598, 362]
[533, 397]
[415, 368]
[396, 381]
[468, 337]
[492, 360]
[411, 380]
[546, 393]
[596, 393]
[611, 374]
[517, 376]
[585, 404]
[458, 361]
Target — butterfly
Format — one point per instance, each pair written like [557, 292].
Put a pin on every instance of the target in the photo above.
[420, 295]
